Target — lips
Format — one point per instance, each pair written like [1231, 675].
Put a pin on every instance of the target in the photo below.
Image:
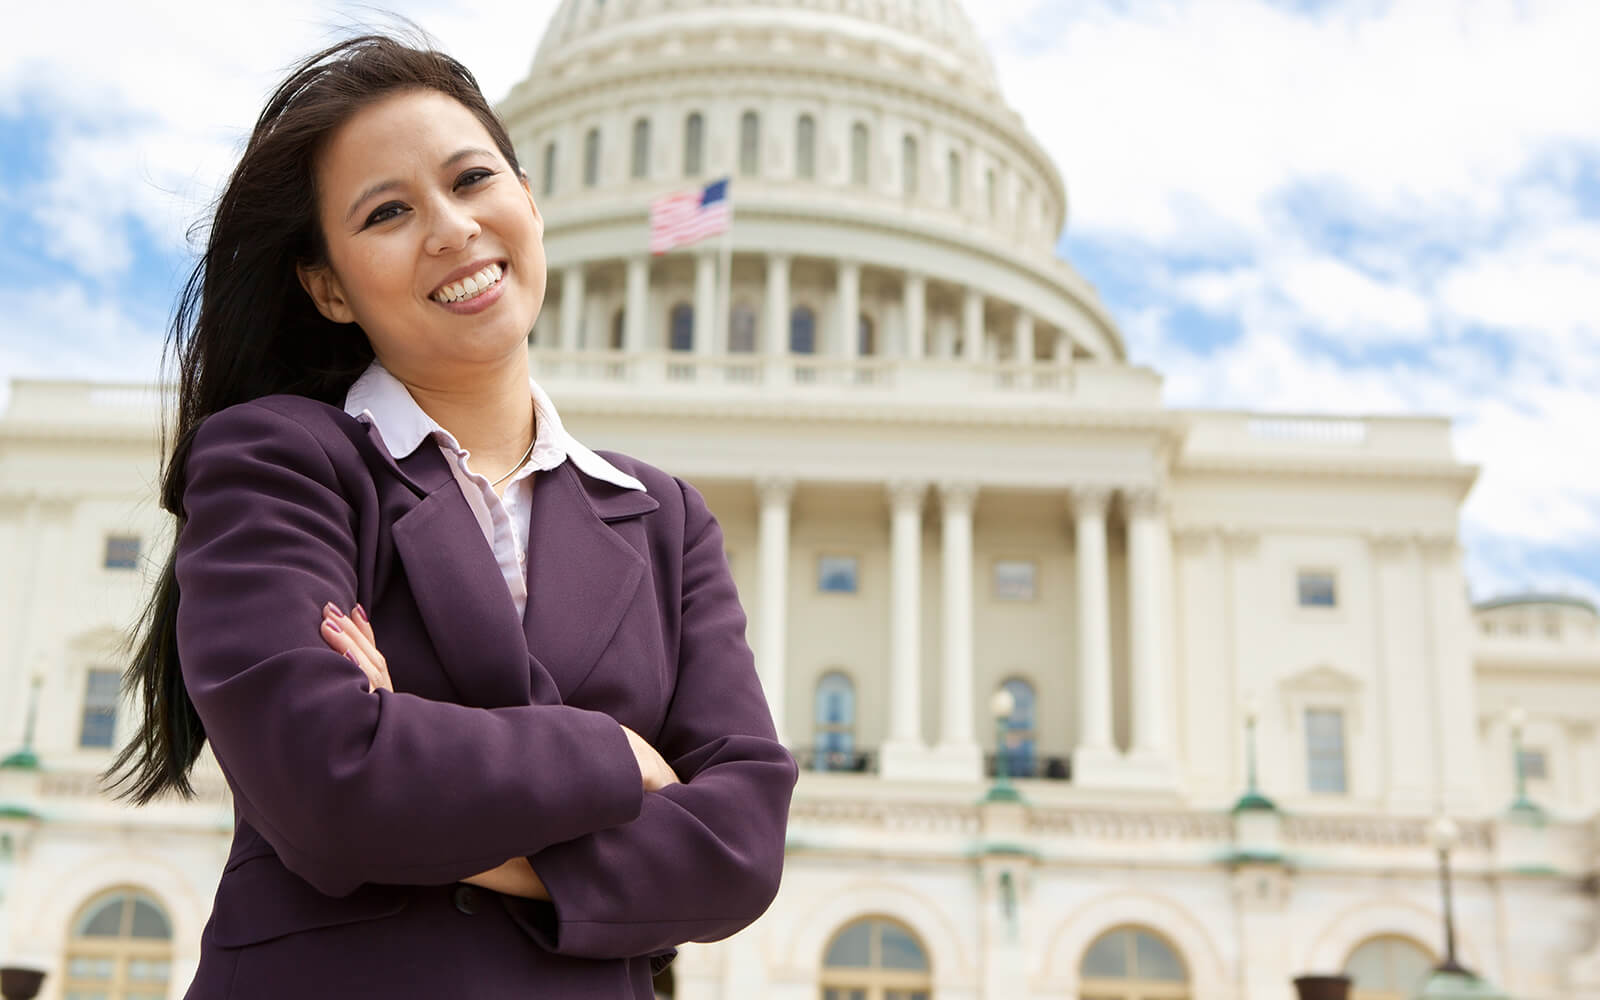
[464, 287]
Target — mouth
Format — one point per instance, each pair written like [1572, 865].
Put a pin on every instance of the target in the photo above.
[473, 285]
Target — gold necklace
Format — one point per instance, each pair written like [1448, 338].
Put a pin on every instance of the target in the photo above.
[520, 461]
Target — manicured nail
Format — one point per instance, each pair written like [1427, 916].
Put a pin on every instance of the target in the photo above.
[332, 609]
[351, 657]
[361, 614]
[333, 625]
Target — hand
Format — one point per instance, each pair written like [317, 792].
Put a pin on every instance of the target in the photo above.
[652, 767]
[352, 635]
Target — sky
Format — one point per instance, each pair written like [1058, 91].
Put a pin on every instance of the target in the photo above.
[1298, 206]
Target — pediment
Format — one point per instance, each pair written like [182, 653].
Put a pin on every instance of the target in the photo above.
[1322, 678]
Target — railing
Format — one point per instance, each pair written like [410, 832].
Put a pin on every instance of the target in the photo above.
[839, 761]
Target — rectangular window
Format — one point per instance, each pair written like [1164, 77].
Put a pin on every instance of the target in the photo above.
[122, 552]
[837, 574]
[1318, 589]
[1014, 580]
[99, 708]
[1325, 770]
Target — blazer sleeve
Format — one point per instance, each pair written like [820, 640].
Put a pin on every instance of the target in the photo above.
[349, 786]
[704, 857]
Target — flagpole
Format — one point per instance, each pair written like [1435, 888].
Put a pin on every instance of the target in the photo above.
[723, 325]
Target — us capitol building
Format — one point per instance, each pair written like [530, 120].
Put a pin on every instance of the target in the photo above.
[1241, 674]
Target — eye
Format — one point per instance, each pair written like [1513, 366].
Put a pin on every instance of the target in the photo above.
[383, 213]
[473, 176]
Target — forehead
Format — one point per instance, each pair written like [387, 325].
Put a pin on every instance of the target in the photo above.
[414, 129]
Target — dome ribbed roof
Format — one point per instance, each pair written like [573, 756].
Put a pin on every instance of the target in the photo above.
[935, 30]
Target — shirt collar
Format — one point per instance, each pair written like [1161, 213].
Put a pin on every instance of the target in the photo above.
[378, 398]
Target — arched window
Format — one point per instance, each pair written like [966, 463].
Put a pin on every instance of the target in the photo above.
[866, 337]
[617, 320]
[991, 196]
[591, 158]
[549, 184]
[1131, 963]
[749, 144]
[836, 722]
[680, 336]
[1387, 968]
[876, 959]
[805, 148]
[694, 141]
[860, 154]
[641, 149]
[908, 166]
[120, 949]
[1020, 731]
[742, 329]
[802, 331]
[954, 170]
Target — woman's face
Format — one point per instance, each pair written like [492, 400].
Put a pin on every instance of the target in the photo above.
[415, 201]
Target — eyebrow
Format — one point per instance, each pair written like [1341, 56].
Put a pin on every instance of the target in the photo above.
[383, 186]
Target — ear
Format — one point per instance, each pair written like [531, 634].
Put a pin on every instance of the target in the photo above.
[323, 286]
[538, 220]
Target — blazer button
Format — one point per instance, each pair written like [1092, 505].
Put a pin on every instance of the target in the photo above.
[467, 899]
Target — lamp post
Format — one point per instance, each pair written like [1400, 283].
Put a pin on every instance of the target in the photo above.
[1518, 718]
[1445, 836]
[1001, 705]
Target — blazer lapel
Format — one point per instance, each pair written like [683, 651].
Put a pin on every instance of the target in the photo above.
[459, 590]
[582, 574]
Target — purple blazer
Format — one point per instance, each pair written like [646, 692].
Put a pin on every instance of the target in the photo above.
[357, 813]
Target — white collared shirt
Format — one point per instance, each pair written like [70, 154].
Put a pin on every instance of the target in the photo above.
[378, 398]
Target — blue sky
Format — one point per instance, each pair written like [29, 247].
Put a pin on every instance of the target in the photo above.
[1288, 205]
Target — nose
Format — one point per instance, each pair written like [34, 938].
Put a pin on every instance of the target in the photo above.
[453, 227]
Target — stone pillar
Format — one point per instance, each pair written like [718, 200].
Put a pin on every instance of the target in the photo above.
[1149, 619]
[1096, 750]
[705, 304]
[905, 748]
[972, 325]
[1407, 776]
[916, 309]
[636, 313]
[1455, 690]
[573, 305]
[775, 495]
[957, 752]
[776, 342]
[1022, 337]
[1061, 348]
[849, 291]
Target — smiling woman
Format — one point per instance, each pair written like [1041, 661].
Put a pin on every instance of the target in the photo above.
[483, 740]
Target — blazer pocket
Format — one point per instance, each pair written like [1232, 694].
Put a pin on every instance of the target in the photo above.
[260, 900]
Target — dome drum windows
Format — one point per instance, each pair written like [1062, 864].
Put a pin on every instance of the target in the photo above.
[694, 142]
[749, 144]
[805, 148]
[591, 158]
[641, 149]
[860, 155]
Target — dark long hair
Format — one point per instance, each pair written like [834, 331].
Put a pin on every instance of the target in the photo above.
[244, 328]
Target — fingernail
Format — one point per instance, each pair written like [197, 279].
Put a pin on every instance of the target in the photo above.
[351, 657]
[332, 609]
[333, 625]
[361, 613]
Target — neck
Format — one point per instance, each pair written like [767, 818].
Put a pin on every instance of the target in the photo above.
[488, 412]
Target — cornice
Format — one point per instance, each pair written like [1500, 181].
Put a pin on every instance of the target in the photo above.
[1452, 473]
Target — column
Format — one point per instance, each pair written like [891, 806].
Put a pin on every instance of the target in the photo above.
[775, 495]
[972, 325]
[776, 343]
[1022, 337]
[905, 747]
[1455, 691]
[916, 310]
[1149, 583]
[1061, 348]
[705, 303]
[573, 304]
[1405, 767]
[849, 309]
[636, 312]
[957, 753]
[1095, 747]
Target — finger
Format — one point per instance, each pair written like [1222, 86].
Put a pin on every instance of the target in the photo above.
[358, 614]
[352, 629]
[340, 640]
[374, 682]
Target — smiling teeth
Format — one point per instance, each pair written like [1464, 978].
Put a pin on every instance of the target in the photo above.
[470, 287]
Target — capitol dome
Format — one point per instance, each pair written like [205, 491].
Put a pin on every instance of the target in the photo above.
[894, 220]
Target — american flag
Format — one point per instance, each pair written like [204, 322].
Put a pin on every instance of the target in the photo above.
[677, 219]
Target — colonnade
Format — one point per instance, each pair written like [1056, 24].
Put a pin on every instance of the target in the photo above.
[955, 752]
[915, 344]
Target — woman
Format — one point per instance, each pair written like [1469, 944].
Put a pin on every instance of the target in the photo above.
[482, 695]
